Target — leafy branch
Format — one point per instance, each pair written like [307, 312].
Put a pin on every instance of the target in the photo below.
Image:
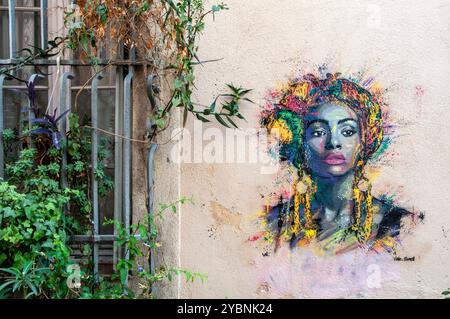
[27, 56]
[229, 108]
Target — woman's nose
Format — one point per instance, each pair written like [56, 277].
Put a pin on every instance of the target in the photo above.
[333, 141]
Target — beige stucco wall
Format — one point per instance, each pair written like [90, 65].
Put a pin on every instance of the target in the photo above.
[406, 46]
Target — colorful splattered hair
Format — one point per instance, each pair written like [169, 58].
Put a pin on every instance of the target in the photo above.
[284, 115]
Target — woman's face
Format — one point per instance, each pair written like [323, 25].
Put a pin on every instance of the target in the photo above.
[332, 140]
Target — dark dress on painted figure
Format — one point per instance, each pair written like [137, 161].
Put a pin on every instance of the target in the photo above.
[389, 226]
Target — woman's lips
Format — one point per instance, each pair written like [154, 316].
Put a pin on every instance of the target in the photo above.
[334, 159]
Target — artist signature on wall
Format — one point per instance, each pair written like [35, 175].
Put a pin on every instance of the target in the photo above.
[413, 258]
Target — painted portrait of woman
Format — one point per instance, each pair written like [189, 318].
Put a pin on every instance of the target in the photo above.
[328, 129]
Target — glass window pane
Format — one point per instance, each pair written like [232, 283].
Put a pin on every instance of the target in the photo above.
[4, 35]
[27, 31]
[28, 3]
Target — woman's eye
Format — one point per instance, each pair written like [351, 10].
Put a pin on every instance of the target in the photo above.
[318, 133]
[348, 132]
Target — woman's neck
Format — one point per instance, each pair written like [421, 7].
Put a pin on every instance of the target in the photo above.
[335, 195]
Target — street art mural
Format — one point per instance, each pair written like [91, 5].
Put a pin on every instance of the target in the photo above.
[331, 131]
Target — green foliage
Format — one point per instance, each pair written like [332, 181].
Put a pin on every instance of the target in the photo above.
[147, 241]
[78, 169]
[27, 280]
[188, 18]
[28, 55]
[138, 242]
[37, 215]
[446, 294]
[229, 108]
[33, 234]
[8, 135]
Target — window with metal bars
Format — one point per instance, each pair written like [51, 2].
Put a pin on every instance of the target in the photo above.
[102, 101]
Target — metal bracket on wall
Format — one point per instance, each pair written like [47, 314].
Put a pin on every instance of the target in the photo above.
[94, 156]
[63, 107]
[151, 90]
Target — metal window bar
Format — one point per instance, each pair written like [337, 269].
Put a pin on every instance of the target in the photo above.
[127, 150]
[118, 150]
[33, 78]
[12, 29]
[94, 157]
[63, 107]
[122, 149]
[2, 160]
[43, 15]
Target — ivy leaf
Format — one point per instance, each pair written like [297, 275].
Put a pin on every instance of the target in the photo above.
[232, 123]
[201, 118]
[8, 212]
[220, 120]
[160, 123]
[28, 212]
[185, 115]
[3, 257]
[248, 100]
[172, 5]
[176, 101]
[123, 275]
[212, 107]
[84, 43]
[178, 84]
[243, 92]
